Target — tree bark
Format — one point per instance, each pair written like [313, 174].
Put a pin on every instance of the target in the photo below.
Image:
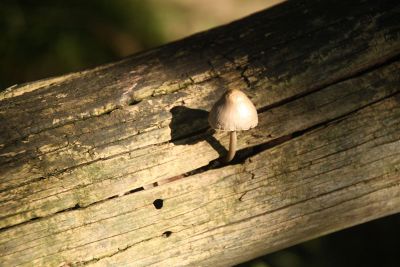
[76, 151]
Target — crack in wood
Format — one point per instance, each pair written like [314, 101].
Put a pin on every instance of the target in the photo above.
[384, 62]
[109, 255]
[249, 152]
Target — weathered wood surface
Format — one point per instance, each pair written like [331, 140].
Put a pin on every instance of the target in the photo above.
[76, 150]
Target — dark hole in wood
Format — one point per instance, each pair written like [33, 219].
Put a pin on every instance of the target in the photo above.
[167, 234]
[158, 203]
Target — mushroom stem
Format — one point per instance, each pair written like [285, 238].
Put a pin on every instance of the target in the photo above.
[232, 146]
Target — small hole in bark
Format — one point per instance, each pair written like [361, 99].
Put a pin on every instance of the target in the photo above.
[167, 234]
[158, 203]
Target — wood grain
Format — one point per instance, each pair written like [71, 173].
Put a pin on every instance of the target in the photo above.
[76, 151]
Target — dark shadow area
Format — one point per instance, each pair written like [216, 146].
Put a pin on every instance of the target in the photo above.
[245, 153]
[189, 126]
[375, 243]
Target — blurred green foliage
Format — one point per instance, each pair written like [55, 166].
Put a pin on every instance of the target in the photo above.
[50, 37]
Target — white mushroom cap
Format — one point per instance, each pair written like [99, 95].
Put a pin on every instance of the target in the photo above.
[233, 112]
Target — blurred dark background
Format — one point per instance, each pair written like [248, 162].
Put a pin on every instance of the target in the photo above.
[42, 38]
[48, 37]
[372, 244]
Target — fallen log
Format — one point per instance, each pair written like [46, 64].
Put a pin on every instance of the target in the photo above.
[81, 155]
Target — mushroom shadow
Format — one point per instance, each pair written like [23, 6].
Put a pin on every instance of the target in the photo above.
[190, 126]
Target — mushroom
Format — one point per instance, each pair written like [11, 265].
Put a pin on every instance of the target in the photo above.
[233, 112]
